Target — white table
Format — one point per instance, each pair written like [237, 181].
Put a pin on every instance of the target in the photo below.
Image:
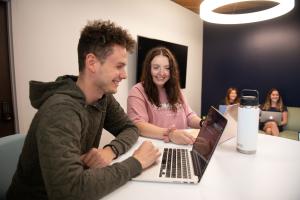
[272, 173]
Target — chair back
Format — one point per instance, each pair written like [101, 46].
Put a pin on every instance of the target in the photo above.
[10, 149]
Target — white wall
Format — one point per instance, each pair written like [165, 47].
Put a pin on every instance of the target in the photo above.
[46, 32]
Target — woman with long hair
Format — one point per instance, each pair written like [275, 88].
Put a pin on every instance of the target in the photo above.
[231, 96]
[274, 103]
[156, 104]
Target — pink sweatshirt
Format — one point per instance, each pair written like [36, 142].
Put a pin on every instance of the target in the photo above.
[140, 109]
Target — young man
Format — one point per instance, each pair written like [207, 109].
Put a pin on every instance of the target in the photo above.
[60, 157]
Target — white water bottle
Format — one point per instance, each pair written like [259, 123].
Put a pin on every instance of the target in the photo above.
[248, 119]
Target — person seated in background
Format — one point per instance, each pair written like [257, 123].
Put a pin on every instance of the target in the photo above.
[156, 105]
[274, 103]
[230, 99]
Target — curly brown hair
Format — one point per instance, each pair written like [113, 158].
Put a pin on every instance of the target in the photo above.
[99, 37]
[172, 85]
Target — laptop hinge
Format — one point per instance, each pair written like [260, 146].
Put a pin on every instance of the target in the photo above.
[199, 164]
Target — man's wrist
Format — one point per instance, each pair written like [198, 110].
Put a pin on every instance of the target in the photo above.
[113, 149]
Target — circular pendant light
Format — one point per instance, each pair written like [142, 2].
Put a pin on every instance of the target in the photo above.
[207, 13]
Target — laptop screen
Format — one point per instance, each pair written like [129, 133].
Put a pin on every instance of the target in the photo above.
[222, 108]
[208, 137]
[270, 116]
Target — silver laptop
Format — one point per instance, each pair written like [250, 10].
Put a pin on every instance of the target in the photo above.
[270, 116]
[183, 165]
[231, 114]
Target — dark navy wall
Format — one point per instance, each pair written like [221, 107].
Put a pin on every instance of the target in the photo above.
[258, 56]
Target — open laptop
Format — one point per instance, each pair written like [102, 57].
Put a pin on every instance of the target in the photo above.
[270, 116]
[231, 114]
[183, 165]
[222, 108]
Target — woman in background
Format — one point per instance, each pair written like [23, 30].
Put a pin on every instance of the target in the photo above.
[231, 96]
[274, 103]
[156, 105]
[230, 99]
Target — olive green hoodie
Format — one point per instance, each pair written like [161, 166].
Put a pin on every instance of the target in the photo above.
[63, 129]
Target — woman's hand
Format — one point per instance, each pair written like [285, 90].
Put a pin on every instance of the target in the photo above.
[166, 134]
[181, 137]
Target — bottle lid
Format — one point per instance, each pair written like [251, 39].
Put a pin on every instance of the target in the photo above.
[249, 97]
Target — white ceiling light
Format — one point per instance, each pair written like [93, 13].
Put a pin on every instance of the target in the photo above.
[207, 13]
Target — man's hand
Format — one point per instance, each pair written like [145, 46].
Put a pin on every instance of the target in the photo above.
[98, 158]
[146, 154]
[181, 137]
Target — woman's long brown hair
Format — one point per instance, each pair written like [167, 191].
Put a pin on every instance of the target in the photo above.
[267, 105]
[172, 85]
[227, 99]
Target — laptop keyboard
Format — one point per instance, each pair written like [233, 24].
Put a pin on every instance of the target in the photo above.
[175, 164]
